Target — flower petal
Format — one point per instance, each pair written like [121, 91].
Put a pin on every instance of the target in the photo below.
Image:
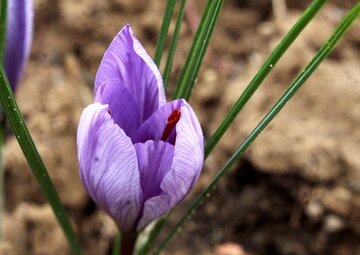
[187, 160]
[155, 160]
[153, 127]
[122, 106]
[108, 166]
[188, 156]
[126, 60]
[20, 17]
[154, 208]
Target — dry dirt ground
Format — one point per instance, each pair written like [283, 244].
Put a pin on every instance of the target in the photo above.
[295, 191]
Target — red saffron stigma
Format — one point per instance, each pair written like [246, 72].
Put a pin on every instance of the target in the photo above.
[109, 111]
[171, 123]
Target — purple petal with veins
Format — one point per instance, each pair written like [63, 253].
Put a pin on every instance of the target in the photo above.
[19, 30]
[127, 61]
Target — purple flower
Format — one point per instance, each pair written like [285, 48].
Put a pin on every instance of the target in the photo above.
[20, 16]
[138, 155]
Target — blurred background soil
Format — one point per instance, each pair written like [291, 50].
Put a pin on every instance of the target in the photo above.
[295, 191]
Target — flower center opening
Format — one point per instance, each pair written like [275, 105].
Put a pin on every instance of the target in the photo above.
[171, 123]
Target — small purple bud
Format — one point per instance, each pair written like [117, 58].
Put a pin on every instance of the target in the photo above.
[138, 155]
[19, 29]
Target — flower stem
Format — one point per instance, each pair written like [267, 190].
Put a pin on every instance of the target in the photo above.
[128, 243]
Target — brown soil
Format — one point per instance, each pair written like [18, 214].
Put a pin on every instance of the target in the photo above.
[297, 189]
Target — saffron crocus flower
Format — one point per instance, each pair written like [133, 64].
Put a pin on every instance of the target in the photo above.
[19, 28]
[138, 155]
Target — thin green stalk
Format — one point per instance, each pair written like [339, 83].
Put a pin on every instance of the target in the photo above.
[292, 89]
[173, 44]
[198, 49]
[169, 10]
[203, 33]
[263, 72]
[260, 76]
[27, 145]
[3, 13]
[117, 244]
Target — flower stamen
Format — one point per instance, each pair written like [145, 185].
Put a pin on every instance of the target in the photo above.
[171, 123]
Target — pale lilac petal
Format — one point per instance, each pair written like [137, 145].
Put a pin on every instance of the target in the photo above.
[187, 160]
[154, 208]
[153, 127]
[188, 156]
[108, 166]
[122, 105]
[20, 18]
[155, 160]
[126, 60]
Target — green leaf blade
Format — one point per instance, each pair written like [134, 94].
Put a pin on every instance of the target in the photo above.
[198, 49]
[31, 154]
[173, 44]
[266, 68]
[323, 53]
[169, 10]
[3, 15]
[117, 243]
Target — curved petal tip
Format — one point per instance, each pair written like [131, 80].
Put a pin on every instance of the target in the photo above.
[127, 61]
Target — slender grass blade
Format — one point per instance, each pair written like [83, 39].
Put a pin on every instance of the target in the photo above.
[263, 72]
[117, 244]
[198, 49]
[32, 155]
[173, 43]
[260, 76]
[3, 14]
[169, 10]
[292, 89]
